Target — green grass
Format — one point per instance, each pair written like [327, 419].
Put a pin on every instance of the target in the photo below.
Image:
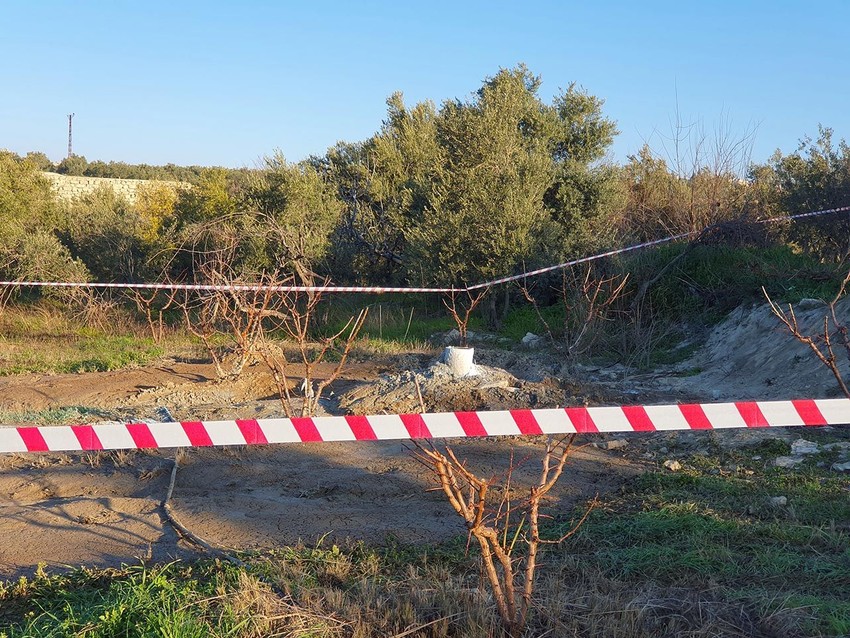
[179, 600]
[57, 416]
[397, 322]
[296, 591]
[47, 339]
[712, 280]
[523, 319]
[696, 293]
[699, 528]
[83, 353]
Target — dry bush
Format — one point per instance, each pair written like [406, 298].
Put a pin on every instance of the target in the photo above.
[246, 313]
[588, 301]
[227, 316]
[256, 322]
[153, 305]
[505, 525]
[96, 308]
[694, 180]
[460, 306]
[293, 314]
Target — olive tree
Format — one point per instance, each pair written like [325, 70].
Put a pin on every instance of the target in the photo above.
[816, 176]
[289, 212]
[484, 203]
[29, 248]
[478, 187]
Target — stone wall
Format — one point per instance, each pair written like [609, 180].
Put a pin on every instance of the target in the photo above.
[68, 187]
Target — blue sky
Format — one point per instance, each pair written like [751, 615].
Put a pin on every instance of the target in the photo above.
[225, 83]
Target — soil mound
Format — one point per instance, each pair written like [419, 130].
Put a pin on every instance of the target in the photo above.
[440, 391]
[752, 355]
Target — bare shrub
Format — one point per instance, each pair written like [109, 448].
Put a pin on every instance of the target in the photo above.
[258, 323]
[587, 300]
[153, 306]
[460, 305]
[227, 316]
[292, 314]
[503, 525]
[693, 180]
[98, 309]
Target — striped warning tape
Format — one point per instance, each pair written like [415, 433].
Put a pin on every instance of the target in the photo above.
[229, 287]
[584, 420]
[392, 289]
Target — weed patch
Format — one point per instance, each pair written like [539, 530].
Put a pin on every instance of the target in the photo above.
[41, 339]
[700, 530]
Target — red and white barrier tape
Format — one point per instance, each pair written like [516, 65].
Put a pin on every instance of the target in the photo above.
[582, 420]
[229, 287]
[390, 289]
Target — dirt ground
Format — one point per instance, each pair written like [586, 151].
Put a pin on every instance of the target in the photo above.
[104, 509]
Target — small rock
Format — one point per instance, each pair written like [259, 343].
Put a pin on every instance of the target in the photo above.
[663, 450]
[531, 340]
[841, 445]
[673, 466]
[613, 444]
[778, 501]
[452, 336]
[802, 446]
[809, 304]
[787, 461]
[841, 467]
[757, 458]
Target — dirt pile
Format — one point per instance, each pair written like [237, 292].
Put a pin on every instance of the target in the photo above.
[490, 388]
[751, 355]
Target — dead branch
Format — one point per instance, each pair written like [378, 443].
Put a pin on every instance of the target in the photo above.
[460, 306]
[827, 357]
[146, 304]
[587, 301]
[353, 327]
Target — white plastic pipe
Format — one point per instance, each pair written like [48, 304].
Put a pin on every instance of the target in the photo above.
[459, 361]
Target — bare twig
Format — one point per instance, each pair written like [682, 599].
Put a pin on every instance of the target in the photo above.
[460, 306]
[184, 531]
[587, 300]
[827, 357]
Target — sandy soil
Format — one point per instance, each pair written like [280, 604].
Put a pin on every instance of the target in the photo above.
[104, 509]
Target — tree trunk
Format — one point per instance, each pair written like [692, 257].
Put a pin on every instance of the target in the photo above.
[491, 313]
[507, 307]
